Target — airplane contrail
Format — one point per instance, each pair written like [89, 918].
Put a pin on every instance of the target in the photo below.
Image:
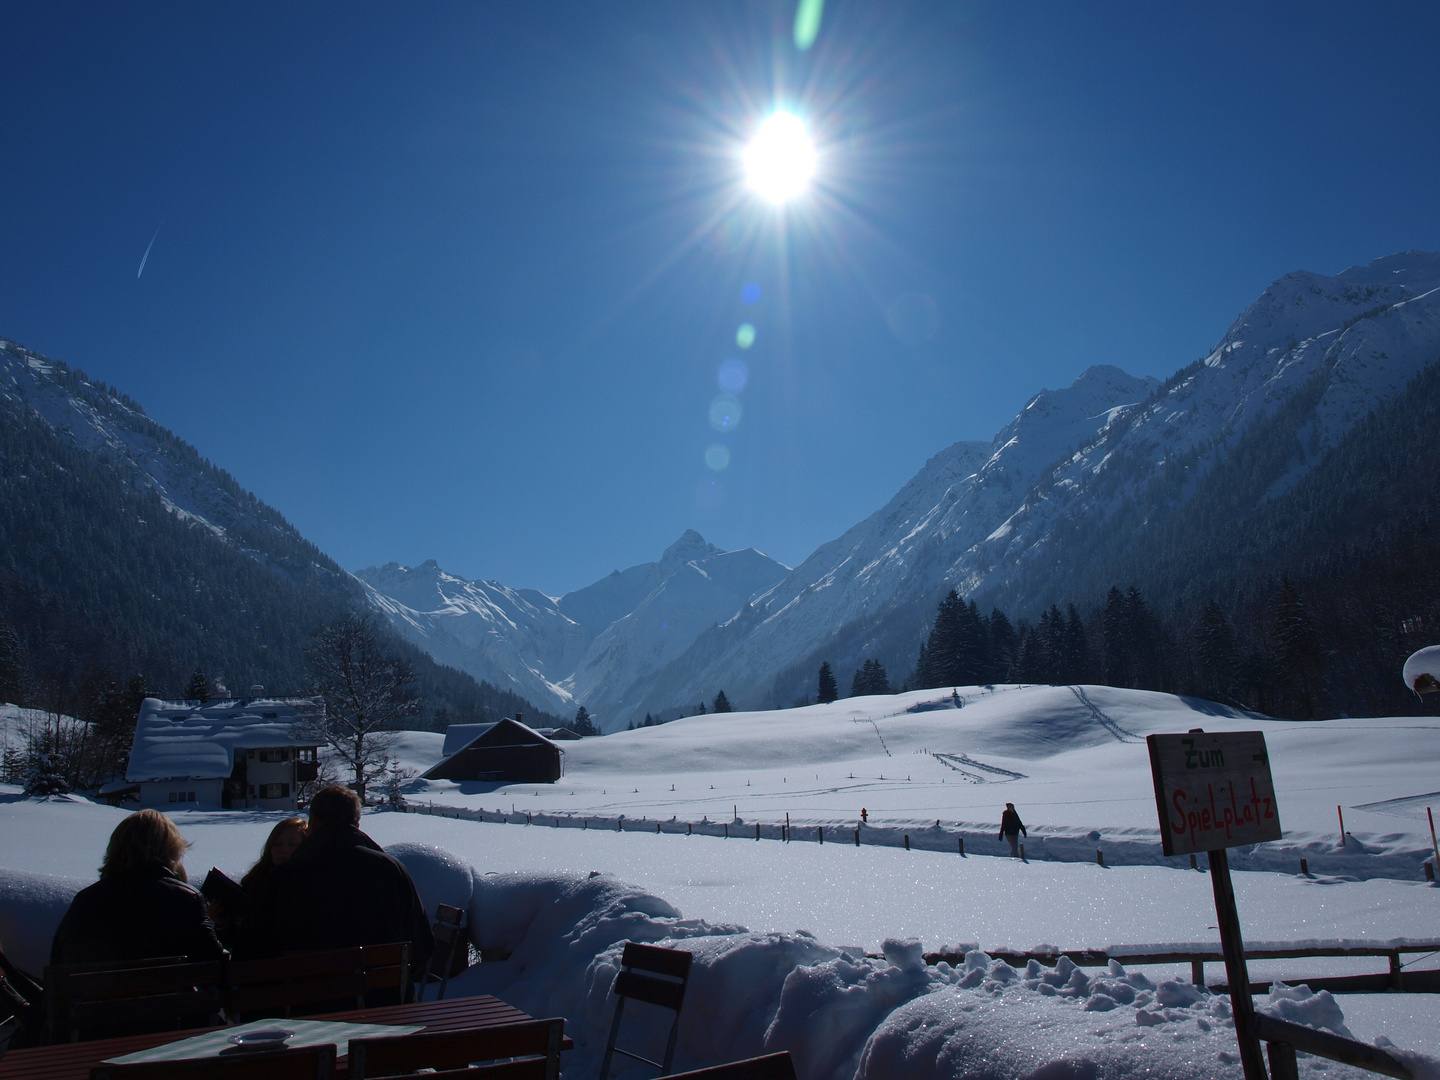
[146, 255]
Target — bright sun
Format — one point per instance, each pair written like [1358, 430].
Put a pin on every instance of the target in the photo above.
[780, 160]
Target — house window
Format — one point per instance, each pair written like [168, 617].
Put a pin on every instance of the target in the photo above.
[274, 791]
[182, 796]
[305, 753]
[274, 755]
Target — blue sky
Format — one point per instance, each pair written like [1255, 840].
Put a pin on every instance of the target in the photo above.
[457, 281]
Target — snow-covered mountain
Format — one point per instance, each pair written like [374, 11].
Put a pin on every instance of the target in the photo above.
[111, 427]
[993, 520]
[591, 645]
[988, 520]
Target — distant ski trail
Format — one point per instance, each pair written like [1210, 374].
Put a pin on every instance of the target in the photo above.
[1121, 735]
[957, 760]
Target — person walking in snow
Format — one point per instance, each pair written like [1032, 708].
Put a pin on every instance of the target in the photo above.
[1011, 828]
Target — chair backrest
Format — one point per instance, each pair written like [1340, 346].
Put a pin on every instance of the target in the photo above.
[452, 947]
[8, 1030]
[101, 999]
[277, 986]
[301, 1063]
[655, 975]
[770, 1067]
[57, 989]
[388, 967]
[538, 1041]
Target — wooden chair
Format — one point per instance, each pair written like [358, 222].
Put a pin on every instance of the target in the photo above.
[328, 981]
[282, 986]
[300, 1063]
[387, 967]
[770, 1067]
[452, 948]
[93, 1001]
[535, 1042]
[8, 1030]
[655, 975]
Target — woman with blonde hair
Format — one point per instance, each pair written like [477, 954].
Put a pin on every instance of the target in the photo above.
[141, 907]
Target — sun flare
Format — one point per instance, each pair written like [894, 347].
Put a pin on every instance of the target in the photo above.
[780, 160]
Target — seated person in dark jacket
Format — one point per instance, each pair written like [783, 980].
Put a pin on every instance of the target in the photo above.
[339, 889]
[141, 907]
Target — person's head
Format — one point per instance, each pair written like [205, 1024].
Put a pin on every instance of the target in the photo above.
[334, 806]
[283, 840]
[1009, 806]
[145, 836]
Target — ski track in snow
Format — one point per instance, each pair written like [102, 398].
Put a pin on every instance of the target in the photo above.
[1121, 735]
[955, 761]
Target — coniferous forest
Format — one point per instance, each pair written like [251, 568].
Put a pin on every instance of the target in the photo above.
[1305, 608]
[107, 595]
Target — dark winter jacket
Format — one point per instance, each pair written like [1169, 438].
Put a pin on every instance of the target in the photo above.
[135, 915]
[1010, 823]
[338, 890]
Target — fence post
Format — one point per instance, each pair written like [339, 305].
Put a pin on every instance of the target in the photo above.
[1396, 980]
[757, 830]
[1197, 972]
[727, 830]
[960, 841]
[821, 830]
[1283, 1065]
[1304, 867]
[657, 828]
[1099, 857]
[857, 839]
[689, 828]
[907, 841]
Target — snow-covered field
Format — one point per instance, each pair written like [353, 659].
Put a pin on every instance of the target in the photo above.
[780, 930]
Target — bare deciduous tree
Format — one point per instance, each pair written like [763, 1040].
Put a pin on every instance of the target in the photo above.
[367, 692]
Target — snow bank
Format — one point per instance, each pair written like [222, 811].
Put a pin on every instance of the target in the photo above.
[841, 1014]
[31, 907]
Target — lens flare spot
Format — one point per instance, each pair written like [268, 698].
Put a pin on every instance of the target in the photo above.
[709, 494]
[734, 374]
[913, 318]
[780, 160]
[745, 336]
[750, 294]
[717, 457]
[725, 413]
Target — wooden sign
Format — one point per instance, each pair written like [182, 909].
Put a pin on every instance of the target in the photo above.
[1213, 791]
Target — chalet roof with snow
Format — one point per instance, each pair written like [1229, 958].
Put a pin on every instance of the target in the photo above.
[179, 738]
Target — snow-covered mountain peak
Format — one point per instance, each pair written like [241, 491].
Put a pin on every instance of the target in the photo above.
[691, 547]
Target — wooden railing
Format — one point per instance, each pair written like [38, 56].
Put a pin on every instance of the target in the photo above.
[1394, 979]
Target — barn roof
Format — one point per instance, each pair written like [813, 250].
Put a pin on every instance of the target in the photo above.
[181, 739]
[460, 737]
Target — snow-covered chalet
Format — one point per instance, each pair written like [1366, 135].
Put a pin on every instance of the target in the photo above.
[230, 753]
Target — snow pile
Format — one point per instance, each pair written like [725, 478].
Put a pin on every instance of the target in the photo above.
[31, 907]
[842, 1014]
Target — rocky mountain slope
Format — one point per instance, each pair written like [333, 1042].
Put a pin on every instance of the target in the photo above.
[123, 551]
[1083, 478]
[589, 646]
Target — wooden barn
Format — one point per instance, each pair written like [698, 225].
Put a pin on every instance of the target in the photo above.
[506, 752]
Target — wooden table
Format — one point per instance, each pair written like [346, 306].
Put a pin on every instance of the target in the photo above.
[73, 1061]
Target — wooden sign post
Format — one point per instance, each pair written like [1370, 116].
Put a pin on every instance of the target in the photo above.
[1213, 792]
